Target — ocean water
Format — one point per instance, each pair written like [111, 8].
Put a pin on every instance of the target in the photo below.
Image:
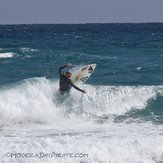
[118, 120]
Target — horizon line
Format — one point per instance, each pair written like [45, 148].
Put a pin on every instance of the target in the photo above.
[81, 23]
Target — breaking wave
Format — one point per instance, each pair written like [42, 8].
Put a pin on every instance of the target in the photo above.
[37, 100]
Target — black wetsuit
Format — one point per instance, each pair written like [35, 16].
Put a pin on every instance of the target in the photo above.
[65, 83]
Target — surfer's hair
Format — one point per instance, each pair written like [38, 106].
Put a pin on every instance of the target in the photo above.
[68, 74]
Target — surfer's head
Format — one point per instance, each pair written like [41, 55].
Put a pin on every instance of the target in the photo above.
[68, 74]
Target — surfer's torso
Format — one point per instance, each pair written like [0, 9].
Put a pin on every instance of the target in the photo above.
[64, 84]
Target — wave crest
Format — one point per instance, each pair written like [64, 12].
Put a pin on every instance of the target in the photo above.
[37, 100]
[7, 55]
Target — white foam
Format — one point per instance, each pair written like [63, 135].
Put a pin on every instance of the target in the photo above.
[139, 68]
[34, 98]
[36, 121]
[78, 36]
[30, 102]
[118, 100]
[115, 143]
[38, 101]
[7, 55]
[25, 50]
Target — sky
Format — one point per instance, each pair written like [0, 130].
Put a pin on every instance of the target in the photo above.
[80, 11]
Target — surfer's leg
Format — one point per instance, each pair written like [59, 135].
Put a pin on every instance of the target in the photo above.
[62, 92]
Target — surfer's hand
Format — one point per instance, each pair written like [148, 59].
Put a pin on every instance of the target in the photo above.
[83, 91]
[69, 65]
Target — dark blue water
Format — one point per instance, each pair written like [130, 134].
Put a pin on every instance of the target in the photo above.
[126, 54]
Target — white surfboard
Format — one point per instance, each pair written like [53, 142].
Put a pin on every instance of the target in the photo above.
[83, 73]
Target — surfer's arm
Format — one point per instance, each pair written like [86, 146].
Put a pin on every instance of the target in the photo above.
[77, 88]
[67, 65]
[60, 69]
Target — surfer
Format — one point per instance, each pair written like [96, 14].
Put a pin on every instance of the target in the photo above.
[66, 83]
